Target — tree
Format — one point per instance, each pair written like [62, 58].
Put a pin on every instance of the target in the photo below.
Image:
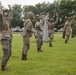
[17, 12]
[67, 8]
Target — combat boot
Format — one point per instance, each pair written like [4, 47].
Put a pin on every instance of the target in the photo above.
[63, 37]
[39, 50]
[3, 68]
[65, 41]
[24, 57]
[50, 45]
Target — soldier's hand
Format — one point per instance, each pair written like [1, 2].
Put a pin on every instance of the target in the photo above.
[9, 6]
[0, 3]
[57, 14]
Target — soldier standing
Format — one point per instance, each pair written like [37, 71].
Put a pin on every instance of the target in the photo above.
[67, 28]
[6, 39]
[38, 34]
[74, 28]
[27, 33]
[51, 26]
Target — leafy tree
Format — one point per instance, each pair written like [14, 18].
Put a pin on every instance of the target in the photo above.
[17, 13]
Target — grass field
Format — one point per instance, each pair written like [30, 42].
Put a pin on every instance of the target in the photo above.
[58, 60]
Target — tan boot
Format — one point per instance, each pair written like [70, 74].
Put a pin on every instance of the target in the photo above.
[24, 57]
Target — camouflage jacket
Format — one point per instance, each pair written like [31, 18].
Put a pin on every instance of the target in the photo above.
[27, 28]
[38, 29]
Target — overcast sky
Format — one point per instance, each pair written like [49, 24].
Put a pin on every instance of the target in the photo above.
[23, 2]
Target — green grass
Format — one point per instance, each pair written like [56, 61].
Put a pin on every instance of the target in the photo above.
[58, 60]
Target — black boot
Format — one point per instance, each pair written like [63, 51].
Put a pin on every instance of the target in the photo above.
[3, 68]
[39, 50]
[65, 41]
[50, 45]
[24, 57]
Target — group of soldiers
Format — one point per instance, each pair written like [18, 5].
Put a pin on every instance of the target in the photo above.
[28, 31]
[6, 34]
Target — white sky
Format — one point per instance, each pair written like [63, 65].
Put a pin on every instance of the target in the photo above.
[23, 2]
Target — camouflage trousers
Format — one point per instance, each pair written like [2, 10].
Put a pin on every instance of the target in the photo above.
[1, 23]
[63, 35]
[39, 42]
[67, 35]
[51, 36]
[7, 48]
[26, 45]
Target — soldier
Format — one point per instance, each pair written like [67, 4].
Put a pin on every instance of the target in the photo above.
[38, 34]
[67, 28]
[27, 33]
[74, 28]
[6, 38]
[51, 26]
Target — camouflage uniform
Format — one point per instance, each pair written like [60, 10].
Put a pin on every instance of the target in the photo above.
[1, 18]
[74, 29]
[6, 39]
[27, 33]
[38, 35]
[51, 26]
[67, 28]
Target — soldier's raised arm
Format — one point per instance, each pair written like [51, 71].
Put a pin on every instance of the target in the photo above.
[10, 12]
[56, 21]
[1, 17]
[1, 12]
[65, 25]
[72, 21]
[47, 22]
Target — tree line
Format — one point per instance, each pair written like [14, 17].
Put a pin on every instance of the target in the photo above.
[63, 7]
